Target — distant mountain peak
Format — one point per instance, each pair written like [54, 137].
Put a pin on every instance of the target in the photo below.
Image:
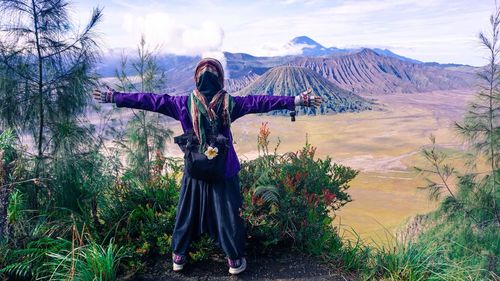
[306, 40]
[368, 52]
[309, 47]
[388, 53]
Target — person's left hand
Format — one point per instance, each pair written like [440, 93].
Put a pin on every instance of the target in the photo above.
[307, 98]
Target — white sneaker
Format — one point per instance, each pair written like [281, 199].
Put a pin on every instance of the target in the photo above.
[237, 266]
[178, 262]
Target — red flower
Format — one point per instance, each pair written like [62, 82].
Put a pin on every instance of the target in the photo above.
[328, 196]
[263, 137]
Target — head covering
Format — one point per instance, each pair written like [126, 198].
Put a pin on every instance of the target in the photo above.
[209, 77]
[206, 98]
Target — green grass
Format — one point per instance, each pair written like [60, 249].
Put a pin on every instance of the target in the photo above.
[89, 262]
[450, 249]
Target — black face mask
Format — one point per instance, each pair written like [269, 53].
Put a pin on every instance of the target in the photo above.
[208, 85]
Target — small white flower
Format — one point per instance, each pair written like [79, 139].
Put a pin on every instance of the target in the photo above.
[211, 152]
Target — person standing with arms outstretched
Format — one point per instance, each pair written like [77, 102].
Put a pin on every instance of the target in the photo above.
[210, 200]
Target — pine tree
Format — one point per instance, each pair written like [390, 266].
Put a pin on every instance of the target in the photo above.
[481, 125]
[145, 134]
[45, 74]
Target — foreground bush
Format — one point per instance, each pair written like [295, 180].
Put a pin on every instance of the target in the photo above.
[142, 213]
[289, 200]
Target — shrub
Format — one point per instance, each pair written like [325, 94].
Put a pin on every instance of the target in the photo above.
[142, 214]
[289, 200]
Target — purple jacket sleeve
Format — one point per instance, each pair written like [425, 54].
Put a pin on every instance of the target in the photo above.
[166, 104]
[260, 104]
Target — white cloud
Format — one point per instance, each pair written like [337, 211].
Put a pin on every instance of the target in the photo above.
[288, 2]
[165, 33]
[270, 50]
[423, 29]
[163, 30]
[364, 7]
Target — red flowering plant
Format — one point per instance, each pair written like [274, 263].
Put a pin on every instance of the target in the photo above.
[290, 199]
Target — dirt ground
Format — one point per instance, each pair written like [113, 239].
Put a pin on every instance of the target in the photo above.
[282, 266]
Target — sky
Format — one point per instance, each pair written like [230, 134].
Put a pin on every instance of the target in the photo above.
[443, 31]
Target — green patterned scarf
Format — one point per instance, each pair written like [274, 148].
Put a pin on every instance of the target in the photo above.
[198, 107]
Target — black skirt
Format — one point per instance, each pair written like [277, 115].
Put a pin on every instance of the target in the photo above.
[213, 208]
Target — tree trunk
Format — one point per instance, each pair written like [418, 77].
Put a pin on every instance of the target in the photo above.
[39, 162]
[5, 191]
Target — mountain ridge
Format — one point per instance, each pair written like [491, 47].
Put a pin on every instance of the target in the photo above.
[367, 72]
[313, 48]
[361, 70]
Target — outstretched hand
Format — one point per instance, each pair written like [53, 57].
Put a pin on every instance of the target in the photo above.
[97, 94]
[309, 99]
[315, 101]
[103, 96]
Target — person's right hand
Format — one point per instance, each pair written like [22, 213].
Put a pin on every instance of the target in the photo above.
[103, 96]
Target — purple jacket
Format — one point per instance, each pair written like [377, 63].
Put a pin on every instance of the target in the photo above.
[176, 107]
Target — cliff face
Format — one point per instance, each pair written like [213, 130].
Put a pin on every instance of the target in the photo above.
[367, 72]
[413, 228]
[292, 80]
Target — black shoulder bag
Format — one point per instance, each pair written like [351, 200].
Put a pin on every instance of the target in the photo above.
[196, 163]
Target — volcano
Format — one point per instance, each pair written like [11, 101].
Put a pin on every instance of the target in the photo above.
[292, 80]
[367, 72]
